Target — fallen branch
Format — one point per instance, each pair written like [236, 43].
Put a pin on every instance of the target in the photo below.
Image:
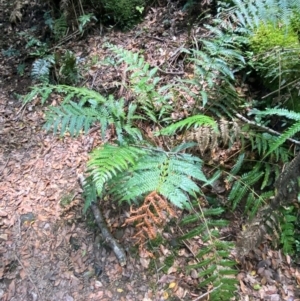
[107, 236]
[265, 128]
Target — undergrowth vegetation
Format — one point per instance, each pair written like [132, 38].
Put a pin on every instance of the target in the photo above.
[184, 169]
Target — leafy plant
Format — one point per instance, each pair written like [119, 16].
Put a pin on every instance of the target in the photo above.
[213, 264]
[125, 13]
[41, 68]
[144, 84]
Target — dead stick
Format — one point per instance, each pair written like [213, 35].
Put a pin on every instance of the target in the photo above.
[108, 238]
[264, 128]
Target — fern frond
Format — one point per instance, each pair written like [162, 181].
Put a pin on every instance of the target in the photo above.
[89, 192]
[215, 268]
[196, 120]
[72, 117]
[289, 133]
[41, 69]
[168, 174]
[109, 160]
[280, 112]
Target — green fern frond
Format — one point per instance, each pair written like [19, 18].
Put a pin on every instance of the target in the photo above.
[214, 266]
[167, 173]
[287, 227]
[252, 13]
[84, 95]
[72, 117]
[89, 192]
[280, 112]
[144, 84]
[196, 120]
[110, 160]
[41, 69]
[289, 133]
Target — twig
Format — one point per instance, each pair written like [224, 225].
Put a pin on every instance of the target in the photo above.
[278, 90]
[109, 239]
[265, 128]
[21, 264]
[207, 293]
[170, 72]
[4, 167]
[155, 38]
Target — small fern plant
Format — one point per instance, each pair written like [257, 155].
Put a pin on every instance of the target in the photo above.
[151, 99]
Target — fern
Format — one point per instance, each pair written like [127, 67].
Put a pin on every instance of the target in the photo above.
[110, 160]
[287, 229]
[144, 84]
[142, 171]
[84, 95]
[289, 133]
[73, 117]
[41, 69]
[215, 269]
[169, 174]
[250, 14]
[197, 120]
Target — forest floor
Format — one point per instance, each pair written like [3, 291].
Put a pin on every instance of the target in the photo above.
[49, 250]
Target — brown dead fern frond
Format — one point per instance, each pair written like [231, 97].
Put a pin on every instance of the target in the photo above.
[16, 14]
[208, 139]
[150, 217]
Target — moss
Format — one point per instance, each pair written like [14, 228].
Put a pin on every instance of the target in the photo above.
[295, 23]
[276, 51]
[267, 37]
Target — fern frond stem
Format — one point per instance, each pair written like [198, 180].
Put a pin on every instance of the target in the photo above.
[207, 293]
[278, 90]
[265, 128]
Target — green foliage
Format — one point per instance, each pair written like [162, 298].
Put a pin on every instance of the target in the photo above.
[289, 133]
[125, 13]
[268, 36]
[243, 188]
[144, 85]
[165, 172]
[41, 69]
[250, 14]
[214, 64]
[276, 50]
[75, 116]
[84, 20]
[66, 66]
[213, 264]
[197, 120]
[60, 27]
[287, 229]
